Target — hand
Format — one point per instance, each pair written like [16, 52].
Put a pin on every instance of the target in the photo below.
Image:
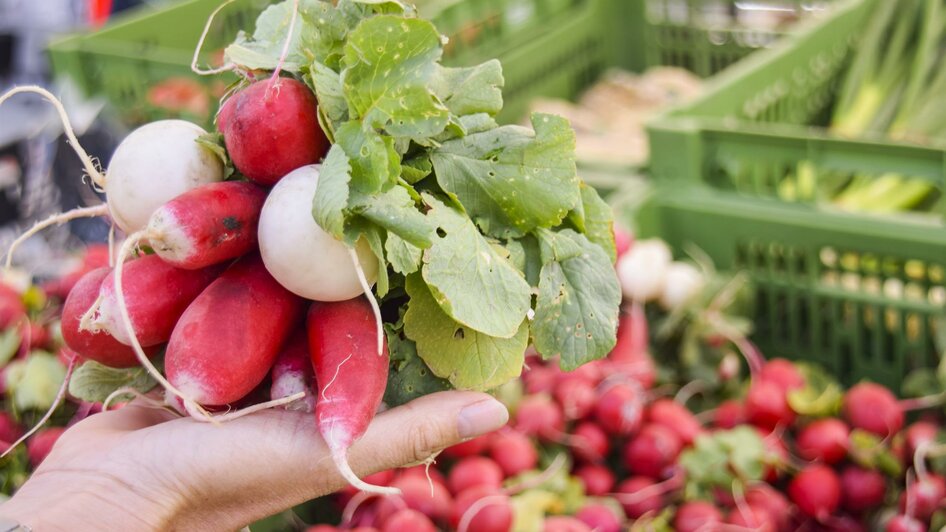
[141, 468]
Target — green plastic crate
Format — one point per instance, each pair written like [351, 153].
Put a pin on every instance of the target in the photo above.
[856, 293]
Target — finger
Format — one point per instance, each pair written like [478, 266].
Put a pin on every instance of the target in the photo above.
[135, 415]
[282, 461]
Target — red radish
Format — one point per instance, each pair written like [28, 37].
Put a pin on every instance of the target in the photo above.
[767, 406]
[652, 451]
[619, 410]
[321, 528]
[905, 523]
[589, 442]
[782, 373]
[12, 309]
[271, 128]
[919, 433]
[430, 498]
[239, 323]
[923, 496]
[514, 452]
[10, 430]
[825, 440]
[408, 520]
[564, 523]
[473, 447]
[538, 415]
[623, 240]
[677, 418]
[101, 347]
[729, 414]
[39, 446]
[862, 489]
[873, 408]
[816, 490]
[599, 517]
[156, 295]
[351, 376]
[94, 256]
[639, 495]
[696, 515]
[576, 396]
[598, 479]
[630, 355]
[752, 518]
[729, 366]
[776, 454]
[474, 471]
[207, 225]
[424, 472]
[292, 373]
[767, 498]
[540, 379]
[481, 509]
[845, 523]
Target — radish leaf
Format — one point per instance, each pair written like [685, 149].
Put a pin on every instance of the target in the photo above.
[262, 50]
[94, 382]
[331, 195]
[404, 257]
[467, 91]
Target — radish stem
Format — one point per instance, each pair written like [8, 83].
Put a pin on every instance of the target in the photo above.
[227, 67]
[371, 299]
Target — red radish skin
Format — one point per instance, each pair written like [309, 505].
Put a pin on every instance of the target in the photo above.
[101, 347]
[41, 444]
[576, 396]
[292, 373]
[514, 452]
[639, 496]
[776, 454]
[239, 323]
[696, 515]
[674, 416]
[630, 356]
[272, 130]
[816, 490]
[12, 309]
[824, 440]
[767, 406]
[752, 518]
[207, 225]
[652, 451]
[905, 523]
[919, 433]
[623, 241]
[538, 415]
[782, 373]
[408, 520]
[589, 442]
[598, 479]
[482, 509]
[474, 447]
[862, 489]
[729, 414]
[767, 498]
[619, 410]
[925, 495]
[540, 379]
[599, 517]
[424, 472]
[564, 523]
[873, 408]
[474, 471]
[10, 430]
[430, 498]
[351, 376]
[156, 295]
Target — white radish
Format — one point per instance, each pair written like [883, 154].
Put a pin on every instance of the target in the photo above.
[643, 270]
[154, 164]
[305, 259]
[683, 282]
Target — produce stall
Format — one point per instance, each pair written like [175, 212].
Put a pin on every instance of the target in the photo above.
[504, 265]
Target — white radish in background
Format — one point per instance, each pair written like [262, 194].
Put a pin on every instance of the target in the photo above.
[642, 271]
[682, 283]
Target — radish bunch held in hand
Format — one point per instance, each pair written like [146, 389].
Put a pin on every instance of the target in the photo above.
[388, 220]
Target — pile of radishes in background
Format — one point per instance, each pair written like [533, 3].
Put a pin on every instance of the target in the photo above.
[614, 446]
[359, 226]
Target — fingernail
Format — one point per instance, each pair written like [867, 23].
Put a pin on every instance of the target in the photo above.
[480, 418]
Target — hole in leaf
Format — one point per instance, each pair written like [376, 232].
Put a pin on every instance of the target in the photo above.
[441, 233]
[458, 334]
[423, 372]
[410, 389]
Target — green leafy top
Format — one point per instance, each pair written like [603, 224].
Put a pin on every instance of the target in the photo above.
[486, 237]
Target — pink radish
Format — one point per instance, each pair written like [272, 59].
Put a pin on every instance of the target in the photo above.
[766, 497]
[652, 451]
[12, 309]
[576, 396]
[239, 323]
[782, 373]
[675, 417]
[351, 377]
[430, 498]
[599, 517]
[923, 496]
[816, 490]
[729, 414]
[862, 489]
[292, 373]
[10, 430]
[271, 128]
[767, 406]
[514, 452]
[640, 495]
[619, 410]
[873, 408]
[598, 480]
[474, 471]
[753, 518]
[156, 294]
[696, 515]
[539, 415]
[905, 523]
[540, 379]
[564, 523]
[920, 433]
[41, 444]
[101, 347]
[589, 442]
[473, 447]
[408, 520]
[481, 509]
[825, 440]
[206, 225]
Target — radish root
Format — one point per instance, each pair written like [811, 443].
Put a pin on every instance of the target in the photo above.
[111, 245]
[49, 413]
[340, 457]
[227, 67]
[230, 416]
[97, 177]
[476, 507]
[371, 299]
[56, 219]
[89, 320]
[189, 404]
